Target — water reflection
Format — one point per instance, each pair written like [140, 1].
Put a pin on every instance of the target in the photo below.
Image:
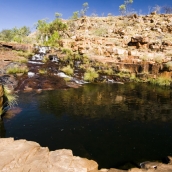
[2, 129]
[135, 102]
[111, 124]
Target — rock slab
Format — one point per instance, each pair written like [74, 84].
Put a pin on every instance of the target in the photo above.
[29, 156]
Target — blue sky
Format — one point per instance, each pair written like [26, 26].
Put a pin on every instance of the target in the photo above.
[18, 13]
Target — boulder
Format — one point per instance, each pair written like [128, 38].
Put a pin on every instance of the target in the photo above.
[120, 51]
[140, 39]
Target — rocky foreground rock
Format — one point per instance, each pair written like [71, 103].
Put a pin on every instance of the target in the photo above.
[29, 156]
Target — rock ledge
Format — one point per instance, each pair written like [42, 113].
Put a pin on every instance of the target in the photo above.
[29, 156]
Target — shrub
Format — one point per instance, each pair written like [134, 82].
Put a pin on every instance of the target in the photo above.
[16, 69]
[15, 34]
[78, 57]
[125, 8]
[68, 70]
[90, 74]
[45, 59]
[144, 58]
[169, 65]
[66, 51]
[24, 54]
[158, 59]
[101, 32]
[42, 71]
[108, 71]
[123, 74]
[161, 81]
[53, 40]
[10, 100]
[75, 15]
[84, 9]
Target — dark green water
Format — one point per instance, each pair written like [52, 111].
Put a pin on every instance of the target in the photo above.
[109, 123]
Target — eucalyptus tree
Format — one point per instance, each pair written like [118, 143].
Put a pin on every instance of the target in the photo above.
[15, 34]
[50, 32]
[84, 9]
[75, 15]
[167, 9]
[43, 29]
[5, 35]
[125, 8]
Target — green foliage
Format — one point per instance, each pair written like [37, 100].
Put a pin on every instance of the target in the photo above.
[84, 9]
[78, 57]
[68, 70]
[90, 74]
[53, 40]
[75, 15]
[66, 51]
[42, 71]
[125, 8]
[58, 15]
[15, 34]
[108, 71]
[101, 31]
[122, 9]
[10, 100]
[161, 81]
[158, 59]
[57, 25]
[169, 65]
[45, 59]
[6, 35]
[24, 54]
[43, 27]
[49, 33]
[124, 74]
[16, 69]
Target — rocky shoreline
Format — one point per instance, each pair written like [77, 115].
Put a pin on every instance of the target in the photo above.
[135, 48]
[29, 156]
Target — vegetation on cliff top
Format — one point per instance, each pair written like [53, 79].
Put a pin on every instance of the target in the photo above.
[50, 34]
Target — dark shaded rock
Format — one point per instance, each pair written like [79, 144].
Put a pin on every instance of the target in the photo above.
[41, 82]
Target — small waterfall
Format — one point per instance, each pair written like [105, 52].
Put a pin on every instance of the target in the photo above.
[39, 57]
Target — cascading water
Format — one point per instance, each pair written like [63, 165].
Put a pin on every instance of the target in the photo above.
[38, 60]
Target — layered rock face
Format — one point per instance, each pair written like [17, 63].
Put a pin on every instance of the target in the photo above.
[116, 36]
[138, 45]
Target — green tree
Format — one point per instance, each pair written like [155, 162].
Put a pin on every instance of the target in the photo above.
[58, 15]
[57, 25]
[75, 15]
[90, 74]
[84, 9]
[125, 8]
[5, 35]
[53, 40]
[49, 33]
[15, 34]
[43, 28]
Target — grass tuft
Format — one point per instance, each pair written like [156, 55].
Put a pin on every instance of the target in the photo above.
[90, 74]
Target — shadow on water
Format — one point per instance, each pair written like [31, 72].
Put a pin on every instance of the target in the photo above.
[116, 125]
[2, 129]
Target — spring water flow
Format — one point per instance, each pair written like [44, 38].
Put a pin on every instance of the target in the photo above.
[116, 125]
